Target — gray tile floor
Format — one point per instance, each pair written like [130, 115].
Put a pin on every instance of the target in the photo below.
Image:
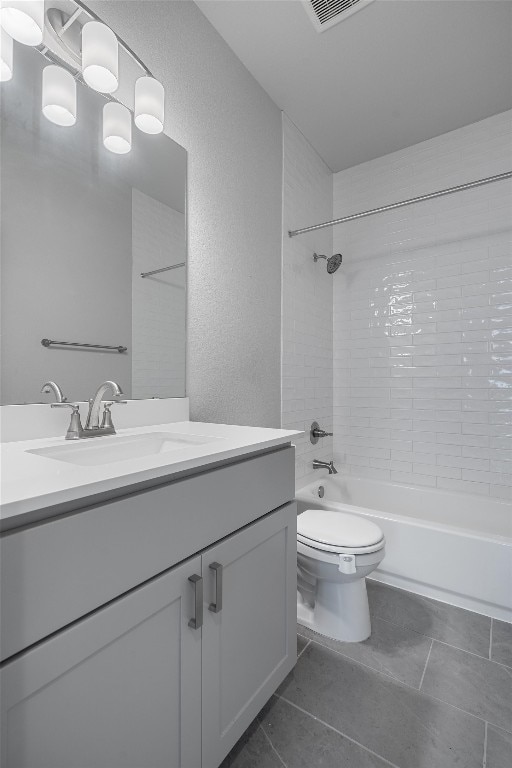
[431, 688]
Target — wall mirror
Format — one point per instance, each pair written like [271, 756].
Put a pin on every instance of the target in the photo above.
[79, 227]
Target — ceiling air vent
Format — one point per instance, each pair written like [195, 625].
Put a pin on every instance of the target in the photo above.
[326, 13]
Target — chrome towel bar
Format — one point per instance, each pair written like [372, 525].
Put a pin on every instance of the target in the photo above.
[162, 269]
[50, 342]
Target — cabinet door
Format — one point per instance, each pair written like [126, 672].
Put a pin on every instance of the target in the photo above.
[119, 689]
[249, 645]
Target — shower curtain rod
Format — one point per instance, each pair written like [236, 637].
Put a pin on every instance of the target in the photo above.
[419, 199]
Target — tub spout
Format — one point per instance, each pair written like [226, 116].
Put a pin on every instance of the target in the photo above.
[328, 465]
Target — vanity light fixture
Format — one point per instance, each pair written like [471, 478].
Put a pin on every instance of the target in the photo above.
[149, 105]
[79, 47]
[59, 95]
[117, 128]
[100, 57]
[23, 20]
[5, 56]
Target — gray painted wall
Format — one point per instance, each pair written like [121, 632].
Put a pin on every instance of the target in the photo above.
[232, 132]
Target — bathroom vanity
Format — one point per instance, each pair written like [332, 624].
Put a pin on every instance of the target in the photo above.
[149, 604]
[148, 599]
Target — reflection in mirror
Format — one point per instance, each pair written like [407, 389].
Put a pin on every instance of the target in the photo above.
[79, 226]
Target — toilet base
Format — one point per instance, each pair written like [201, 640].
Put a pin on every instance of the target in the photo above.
[340, 611]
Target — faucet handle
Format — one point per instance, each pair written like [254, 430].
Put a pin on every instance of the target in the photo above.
[74, 406]
[75, 429]
[322, 433]
[315, 433]
[106, 421]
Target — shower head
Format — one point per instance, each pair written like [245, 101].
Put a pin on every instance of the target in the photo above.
[333, 262]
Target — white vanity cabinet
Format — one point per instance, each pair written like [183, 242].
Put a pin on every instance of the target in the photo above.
[250, 644]
[119, 689]
[145, 681]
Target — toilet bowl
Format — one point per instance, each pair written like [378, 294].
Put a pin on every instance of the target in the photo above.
[335, 552]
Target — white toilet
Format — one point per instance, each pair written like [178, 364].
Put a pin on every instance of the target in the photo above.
[335, 551]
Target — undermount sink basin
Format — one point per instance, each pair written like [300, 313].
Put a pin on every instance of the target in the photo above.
[96, 451]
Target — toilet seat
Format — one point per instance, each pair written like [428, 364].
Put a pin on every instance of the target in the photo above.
[323, 556]
[338, 532]
[313, 545]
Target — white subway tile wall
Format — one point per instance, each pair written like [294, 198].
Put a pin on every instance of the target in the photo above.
[307, 366]
[423, 316]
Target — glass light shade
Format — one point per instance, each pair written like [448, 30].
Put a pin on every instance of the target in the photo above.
[117, 128]
[149, 105]
[59, 95]
[5, 56]
[23, 20]
[100, 57]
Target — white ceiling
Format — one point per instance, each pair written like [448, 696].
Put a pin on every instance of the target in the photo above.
[396, 73]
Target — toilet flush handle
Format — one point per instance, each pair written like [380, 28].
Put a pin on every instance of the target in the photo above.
[347, 564]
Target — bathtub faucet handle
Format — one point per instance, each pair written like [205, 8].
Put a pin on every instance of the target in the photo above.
[315, 433]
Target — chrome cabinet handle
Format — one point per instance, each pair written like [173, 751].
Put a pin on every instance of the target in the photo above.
[197, 583]
[217, 606]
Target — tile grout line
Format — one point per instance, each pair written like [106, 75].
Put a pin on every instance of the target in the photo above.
[484, 763]
[471, 653]
[426, 662]
[267, 737]
[407, 685]
[318, 641]
[308, 643]
[490, 640]
[443, 642]
[340, 733]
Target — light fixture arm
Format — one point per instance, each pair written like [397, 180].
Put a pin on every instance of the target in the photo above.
[74, 16]
[94, 17]
[60, 34]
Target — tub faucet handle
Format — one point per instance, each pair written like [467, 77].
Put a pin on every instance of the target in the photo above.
[315, 433]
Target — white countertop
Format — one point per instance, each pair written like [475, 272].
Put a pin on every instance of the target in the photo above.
[32, 482]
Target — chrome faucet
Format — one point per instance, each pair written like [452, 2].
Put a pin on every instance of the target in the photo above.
[93, 417]
[328, 465]
[51, 386]
[92, 425]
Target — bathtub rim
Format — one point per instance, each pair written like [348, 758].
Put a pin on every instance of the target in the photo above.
[420, 522]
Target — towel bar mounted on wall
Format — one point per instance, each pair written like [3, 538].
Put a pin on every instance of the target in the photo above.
[162, 269]
[50, 343]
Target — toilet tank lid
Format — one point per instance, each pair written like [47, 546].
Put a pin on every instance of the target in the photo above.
[337, 528]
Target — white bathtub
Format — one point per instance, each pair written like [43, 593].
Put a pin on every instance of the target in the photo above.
[450, 546]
